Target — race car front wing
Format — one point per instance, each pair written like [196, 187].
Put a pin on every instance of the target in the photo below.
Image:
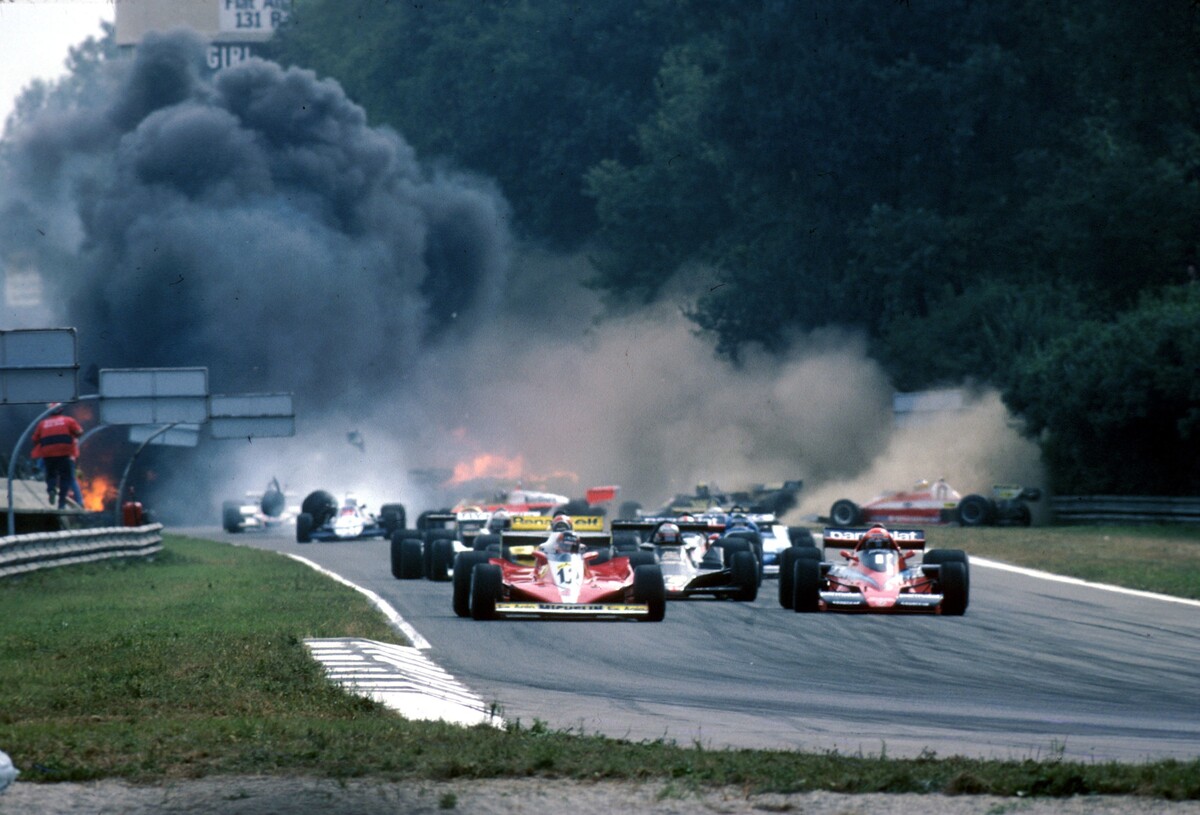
[573, 609]
[854, 599]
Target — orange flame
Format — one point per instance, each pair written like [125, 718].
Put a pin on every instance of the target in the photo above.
[487, 465]
[97, 491]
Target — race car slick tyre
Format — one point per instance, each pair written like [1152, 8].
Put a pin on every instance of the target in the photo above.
[482, 542]
[486, 581]
[464, 562]
[440, 560]
[625, 542]
[945, 556]
[731, 546]
[745, 577]
[976, 510]
[936, 557]
[806, 586]
[787, 566]
[304, 528]
[231, 516]
[756, 547]
[321, 505]
[787, 578]
[391, 517]
[800, 536]
[431, 535]
[394, 552]
[273, 503]
[844, 513]
[649, 588]
[497, 551]
[412, 559]
[954, 588]
[641, 558]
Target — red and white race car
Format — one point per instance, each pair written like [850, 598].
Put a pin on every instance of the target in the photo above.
[879, 573]
[569, 577]
[535, 502]
[938, 503]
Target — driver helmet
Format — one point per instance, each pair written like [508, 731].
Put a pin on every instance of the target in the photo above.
[351, 502]
[497, 522]
[569, 542]
[877, 538]
[561, 523]
[738, 520]
[667, 533]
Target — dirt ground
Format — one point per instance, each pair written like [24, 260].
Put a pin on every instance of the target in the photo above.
[305, 796]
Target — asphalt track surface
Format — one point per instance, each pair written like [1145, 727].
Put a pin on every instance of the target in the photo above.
[1035, 669]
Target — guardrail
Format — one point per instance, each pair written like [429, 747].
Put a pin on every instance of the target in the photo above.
[43, 550]
[1087, 509]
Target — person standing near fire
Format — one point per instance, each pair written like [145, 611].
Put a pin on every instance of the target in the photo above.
[56, 443]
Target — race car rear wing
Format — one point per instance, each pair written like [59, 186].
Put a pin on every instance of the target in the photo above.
[849, 538]
[531, 530]
[645, 527]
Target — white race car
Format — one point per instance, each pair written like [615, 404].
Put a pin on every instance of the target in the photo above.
[260, 510]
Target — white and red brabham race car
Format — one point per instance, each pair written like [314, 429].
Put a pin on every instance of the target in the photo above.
[937, 503]
[879, 572]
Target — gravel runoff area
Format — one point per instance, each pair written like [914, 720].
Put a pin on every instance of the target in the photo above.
[534, 796]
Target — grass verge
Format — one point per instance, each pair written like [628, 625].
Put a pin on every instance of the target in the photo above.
[1158, 558]
[193, 664]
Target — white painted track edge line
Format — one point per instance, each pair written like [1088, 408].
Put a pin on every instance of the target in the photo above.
[1075, 581]
[393, 616]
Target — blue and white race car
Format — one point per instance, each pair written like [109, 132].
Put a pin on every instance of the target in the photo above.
[767, 536]
[322, 519]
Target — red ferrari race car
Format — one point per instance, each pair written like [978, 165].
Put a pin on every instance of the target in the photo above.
[937, 503]
[879, 573]
[568, 578]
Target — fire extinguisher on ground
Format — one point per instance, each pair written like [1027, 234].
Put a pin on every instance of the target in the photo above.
[131, 511]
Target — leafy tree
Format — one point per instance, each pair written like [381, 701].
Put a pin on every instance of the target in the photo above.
[1118, 404]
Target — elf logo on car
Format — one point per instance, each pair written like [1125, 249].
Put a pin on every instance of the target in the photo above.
[588, 523]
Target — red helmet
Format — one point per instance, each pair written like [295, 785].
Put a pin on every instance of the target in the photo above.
[877, 538]
[561, 523]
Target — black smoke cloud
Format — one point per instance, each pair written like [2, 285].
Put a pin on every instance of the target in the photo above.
[254, 223]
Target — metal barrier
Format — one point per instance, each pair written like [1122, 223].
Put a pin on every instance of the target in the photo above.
[1090, 509]
[44, 550]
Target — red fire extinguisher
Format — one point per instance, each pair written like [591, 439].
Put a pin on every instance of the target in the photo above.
[131, 512]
